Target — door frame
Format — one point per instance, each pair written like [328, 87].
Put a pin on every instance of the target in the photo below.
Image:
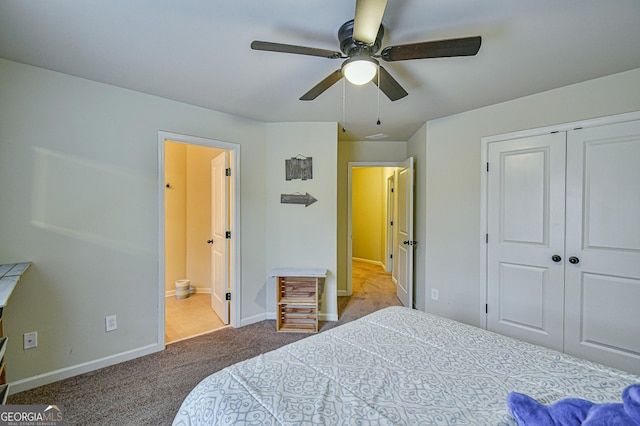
[351, 165]
[484, 152]
[391, 216]
[234, 223]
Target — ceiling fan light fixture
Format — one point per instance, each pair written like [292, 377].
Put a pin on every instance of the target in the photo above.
[360, 70]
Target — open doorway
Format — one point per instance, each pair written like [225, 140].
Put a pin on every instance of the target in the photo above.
[198, 235]
[372, 211]
[380, 221]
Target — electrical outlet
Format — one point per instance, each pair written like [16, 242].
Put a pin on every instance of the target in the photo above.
[111, 323]
[434, 294]
[30, 340]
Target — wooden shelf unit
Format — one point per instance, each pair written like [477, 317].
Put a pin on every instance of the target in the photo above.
[10, 274]
[297, 299]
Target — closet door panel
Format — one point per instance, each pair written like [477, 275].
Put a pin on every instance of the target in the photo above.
[525, 212]
[602, 320]
[604, 324]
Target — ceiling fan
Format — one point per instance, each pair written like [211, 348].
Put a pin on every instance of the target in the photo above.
[360, 40]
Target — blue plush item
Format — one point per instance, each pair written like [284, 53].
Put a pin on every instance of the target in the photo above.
[575, 411]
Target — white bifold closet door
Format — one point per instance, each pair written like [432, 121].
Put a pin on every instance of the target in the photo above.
[563, 257]
[602, 313]
[526, 198]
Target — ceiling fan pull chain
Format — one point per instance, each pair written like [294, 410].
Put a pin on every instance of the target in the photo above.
[378, 122]
[344, 101]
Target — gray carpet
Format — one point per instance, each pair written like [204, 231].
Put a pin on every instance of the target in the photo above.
[149, 390]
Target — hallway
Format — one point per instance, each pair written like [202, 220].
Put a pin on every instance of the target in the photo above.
[372, 289]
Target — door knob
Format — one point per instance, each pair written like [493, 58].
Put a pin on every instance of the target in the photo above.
[556, 258]
[209, 241]
[574, 260]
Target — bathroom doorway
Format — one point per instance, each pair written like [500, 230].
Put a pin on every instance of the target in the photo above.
[190, 263]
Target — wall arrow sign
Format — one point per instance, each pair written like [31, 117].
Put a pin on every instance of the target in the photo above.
[305, 199]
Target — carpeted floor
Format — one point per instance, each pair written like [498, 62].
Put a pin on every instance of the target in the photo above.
[149, 390]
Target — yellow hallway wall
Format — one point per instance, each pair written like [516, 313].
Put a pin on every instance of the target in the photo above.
[368, 213]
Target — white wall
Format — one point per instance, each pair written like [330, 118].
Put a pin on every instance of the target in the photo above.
[453, 168]
[79, 167]
[299, 236]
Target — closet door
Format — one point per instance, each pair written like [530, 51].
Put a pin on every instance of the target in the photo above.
[603, 245]
[525, 254]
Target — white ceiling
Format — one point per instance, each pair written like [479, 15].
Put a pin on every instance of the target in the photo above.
[197, 51]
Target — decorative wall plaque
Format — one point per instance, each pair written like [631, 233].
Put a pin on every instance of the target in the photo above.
[305, 199]
[299, 168]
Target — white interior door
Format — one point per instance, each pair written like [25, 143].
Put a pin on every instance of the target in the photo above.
[525, 223]
[404, 240]
[603, 236]
[219, 228]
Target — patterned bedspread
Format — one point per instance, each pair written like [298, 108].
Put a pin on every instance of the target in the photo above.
[396, 366]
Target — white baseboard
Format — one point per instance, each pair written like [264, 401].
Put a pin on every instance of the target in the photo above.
[254, 319]
[372, 262]
[65, 373]
[328, 317]
[192, 290]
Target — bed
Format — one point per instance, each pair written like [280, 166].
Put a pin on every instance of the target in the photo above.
[395, 366]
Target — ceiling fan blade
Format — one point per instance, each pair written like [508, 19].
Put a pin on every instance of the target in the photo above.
[319, 88]
[389, 85]
[368, 18]
[298, 50]
[466, 46]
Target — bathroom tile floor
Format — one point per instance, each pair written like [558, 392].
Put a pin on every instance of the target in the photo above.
[190, 317]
